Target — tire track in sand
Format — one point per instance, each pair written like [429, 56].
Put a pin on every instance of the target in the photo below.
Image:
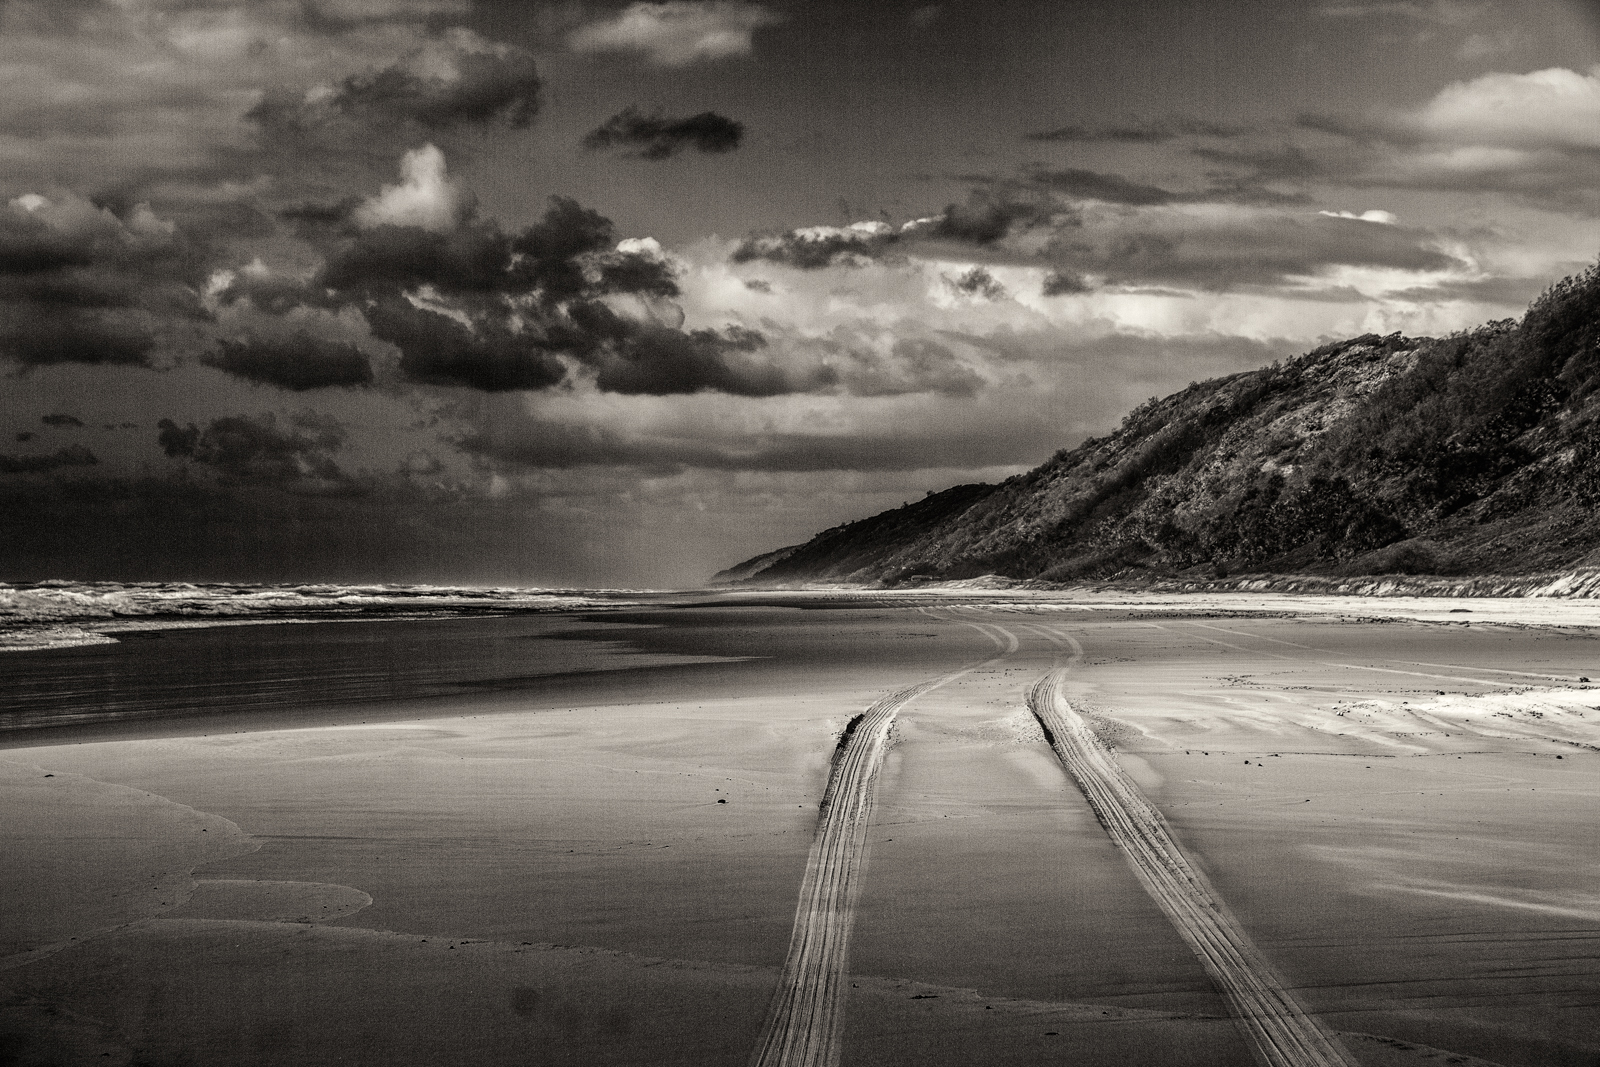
[1280, 1032]
[805, 1022]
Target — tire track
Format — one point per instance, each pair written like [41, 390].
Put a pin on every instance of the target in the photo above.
[806, 1019]
[1280, 1032]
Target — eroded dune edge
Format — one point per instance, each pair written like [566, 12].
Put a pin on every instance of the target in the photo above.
[1280, 1032]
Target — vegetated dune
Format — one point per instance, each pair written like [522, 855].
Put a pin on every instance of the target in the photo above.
[1468, 455]
[1281, 1033]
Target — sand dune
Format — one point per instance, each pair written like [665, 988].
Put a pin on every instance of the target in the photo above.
[1281, 1033]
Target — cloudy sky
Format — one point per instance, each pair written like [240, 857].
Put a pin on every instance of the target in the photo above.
[619, 294]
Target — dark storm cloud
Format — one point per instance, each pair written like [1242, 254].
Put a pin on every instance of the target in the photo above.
[568, 253]
[522, 311]
[436, 349]
[82, 284]
[470, 259]
[622, 273]
[28, 246]
[657, 137]
[312, 220]
[1059, 283]
[558, 247]
[457, 79]
[818, 247]
[71, 456]
[299, 363]
[991, 214]
[296, 457]
[35, 336]
[653, 360]
[979, 282]
[1150, 131]
[59, 419]
[275, 294]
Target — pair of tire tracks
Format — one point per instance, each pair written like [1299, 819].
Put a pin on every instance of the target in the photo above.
[1280, 1032]
[805, 1022]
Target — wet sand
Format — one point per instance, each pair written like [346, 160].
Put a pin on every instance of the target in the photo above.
[531, 864]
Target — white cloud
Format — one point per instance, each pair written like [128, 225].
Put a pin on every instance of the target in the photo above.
[1387, 218]
[1554, 108]
[426, 196]
[676, 33]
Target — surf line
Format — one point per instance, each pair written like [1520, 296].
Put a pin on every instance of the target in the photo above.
[805, 1022]
[1279, 1031]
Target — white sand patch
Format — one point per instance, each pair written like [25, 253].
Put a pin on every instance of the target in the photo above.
[1562, 715]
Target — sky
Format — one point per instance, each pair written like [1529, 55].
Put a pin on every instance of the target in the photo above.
[620, 294]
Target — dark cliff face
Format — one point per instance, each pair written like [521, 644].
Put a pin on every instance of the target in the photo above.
[1472, 454]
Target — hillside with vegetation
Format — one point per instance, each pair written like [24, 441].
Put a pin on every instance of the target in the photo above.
[1474, 454]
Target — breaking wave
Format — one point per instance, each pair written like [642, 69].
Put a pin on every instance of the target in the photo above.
[61, 614]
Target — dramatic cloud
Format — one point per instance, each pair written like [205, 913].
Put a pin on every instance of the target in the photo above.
[59, 419]
[258, 450]
[989, 215]
[978, 282]
[815, 247]
[459, 78]
[1057, 283]
[71, 456]
[299, 363]
[456, 79]
[34, 336]
[78, 284]
[1149, 131]
[436, 349]
[678, 32]
[655, 137]
[658, 361]
[470, 305]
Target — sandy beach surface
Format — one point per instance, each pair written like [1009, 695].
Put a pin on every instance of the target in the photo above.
[586, 839]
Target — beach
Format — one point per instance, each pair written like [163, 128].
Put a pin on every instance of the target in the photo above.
[584, 836]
